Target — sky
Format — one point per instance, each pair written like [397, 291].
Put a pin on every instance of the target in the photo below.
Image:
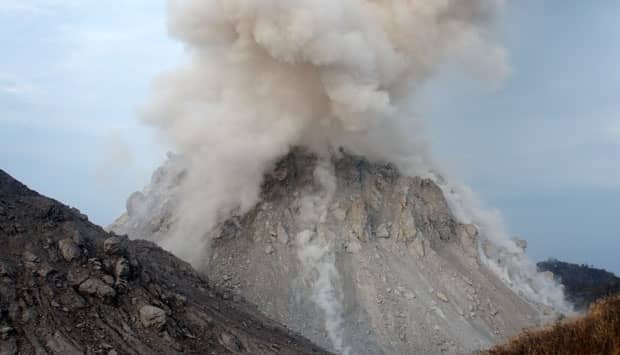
[543, 148]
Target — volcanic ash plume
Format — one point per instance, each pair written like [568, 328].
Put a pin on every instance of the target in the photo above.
[265, 75]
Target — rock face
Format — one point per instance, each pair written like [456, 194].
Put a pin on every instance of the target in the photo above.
[68, 287]
[405, 273]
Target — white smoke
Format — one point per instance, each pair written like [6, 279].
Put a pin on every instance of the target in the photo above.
[315, 250]
[499, 252]
[265, 75]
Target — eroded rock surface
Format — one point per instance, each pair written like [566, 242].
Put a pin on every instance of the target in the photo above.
[68, 287]
[409, 274]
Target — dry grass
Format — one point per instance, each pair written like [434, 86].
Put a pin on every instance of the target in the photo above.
[598, 332]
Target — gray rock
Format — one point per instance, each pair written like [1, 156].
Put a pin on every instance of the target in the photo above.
[152, 317]
[108, 280]
[122, 269]
[417, 247]
[97, 288]
[69, 249]
[353, 246]
[45, 270]
[281, 173]
[76, 276]
[468, 281]
[30, 257]
[340, 214]
[269, 250]
[78, 238]
[468, 234]
[382, 231]
[113, 246]
[231, 342]
[180, 300]
[281, 234]
[5, 332]
[442, 297]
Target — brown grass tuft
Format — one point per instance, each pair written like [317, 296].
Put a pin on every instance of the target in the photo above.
[598, 332]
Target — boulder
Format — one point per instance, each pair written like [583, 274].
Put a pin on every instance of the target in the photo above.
[281, 234]
[113, 246]
[442, 297]
[97, 288]
[152, 317]
[69, 249]
[121, 269]
[30, 257]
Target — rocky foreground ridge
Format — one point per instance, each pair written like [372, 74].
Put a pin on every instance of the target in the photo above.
[68, 287]
[404, 276]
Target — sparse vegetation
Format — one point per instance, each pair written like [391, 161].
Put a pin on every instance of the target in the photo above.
[597, 332]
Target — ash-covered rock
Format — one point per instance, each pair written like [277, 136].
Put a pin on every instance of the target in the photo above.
[68, 287]
[409, 278]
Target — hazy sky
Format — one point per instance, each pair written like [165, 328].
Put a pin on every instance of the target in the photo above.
[544, 148]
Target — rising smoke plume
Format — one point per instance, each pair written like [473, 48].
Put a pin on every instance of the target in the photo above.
[265, 75]
[315, 250]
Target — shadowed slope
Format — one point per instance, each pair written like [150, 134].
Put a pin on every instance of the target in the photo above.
[68, 287]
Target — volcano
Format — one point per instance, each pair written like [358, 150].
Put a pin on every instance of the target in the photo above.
[358, 258]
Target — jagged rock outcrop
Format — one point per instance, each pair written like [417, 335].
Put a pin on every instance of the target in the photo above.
[409, 279]
[69, 287]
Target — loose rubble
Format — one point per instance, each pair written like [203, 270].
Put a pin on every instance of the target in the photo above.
[410, 277]
[68, 287]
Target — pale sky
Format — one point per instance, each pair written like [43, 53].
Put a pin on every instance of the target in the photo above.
[544, 148]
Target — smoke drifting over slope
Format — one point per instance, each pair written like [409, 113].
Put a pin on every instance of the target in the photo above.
[265, 75]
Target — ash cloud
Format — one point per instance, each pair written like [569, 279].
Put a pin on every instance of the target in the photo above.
[265, 75]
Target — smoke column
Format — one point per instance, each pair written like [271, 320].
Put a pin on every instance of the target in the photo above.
[264, 75]
[315, 250]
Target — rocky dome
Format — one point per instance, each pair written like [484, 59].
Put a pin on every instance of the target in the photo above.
[353, 255]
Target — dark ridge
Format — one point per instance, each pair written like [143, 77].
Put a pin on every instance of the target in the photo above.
[69, 287]
[583, 284]
[8, 185]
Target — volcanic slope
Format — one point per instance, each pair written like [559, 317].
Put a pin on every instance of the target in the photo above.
[69, 287]
[353, 255]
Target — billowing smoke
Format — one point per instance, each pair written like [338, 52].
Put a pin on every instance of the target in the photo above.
[265, 75]
[499, 252]
[315, 250]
